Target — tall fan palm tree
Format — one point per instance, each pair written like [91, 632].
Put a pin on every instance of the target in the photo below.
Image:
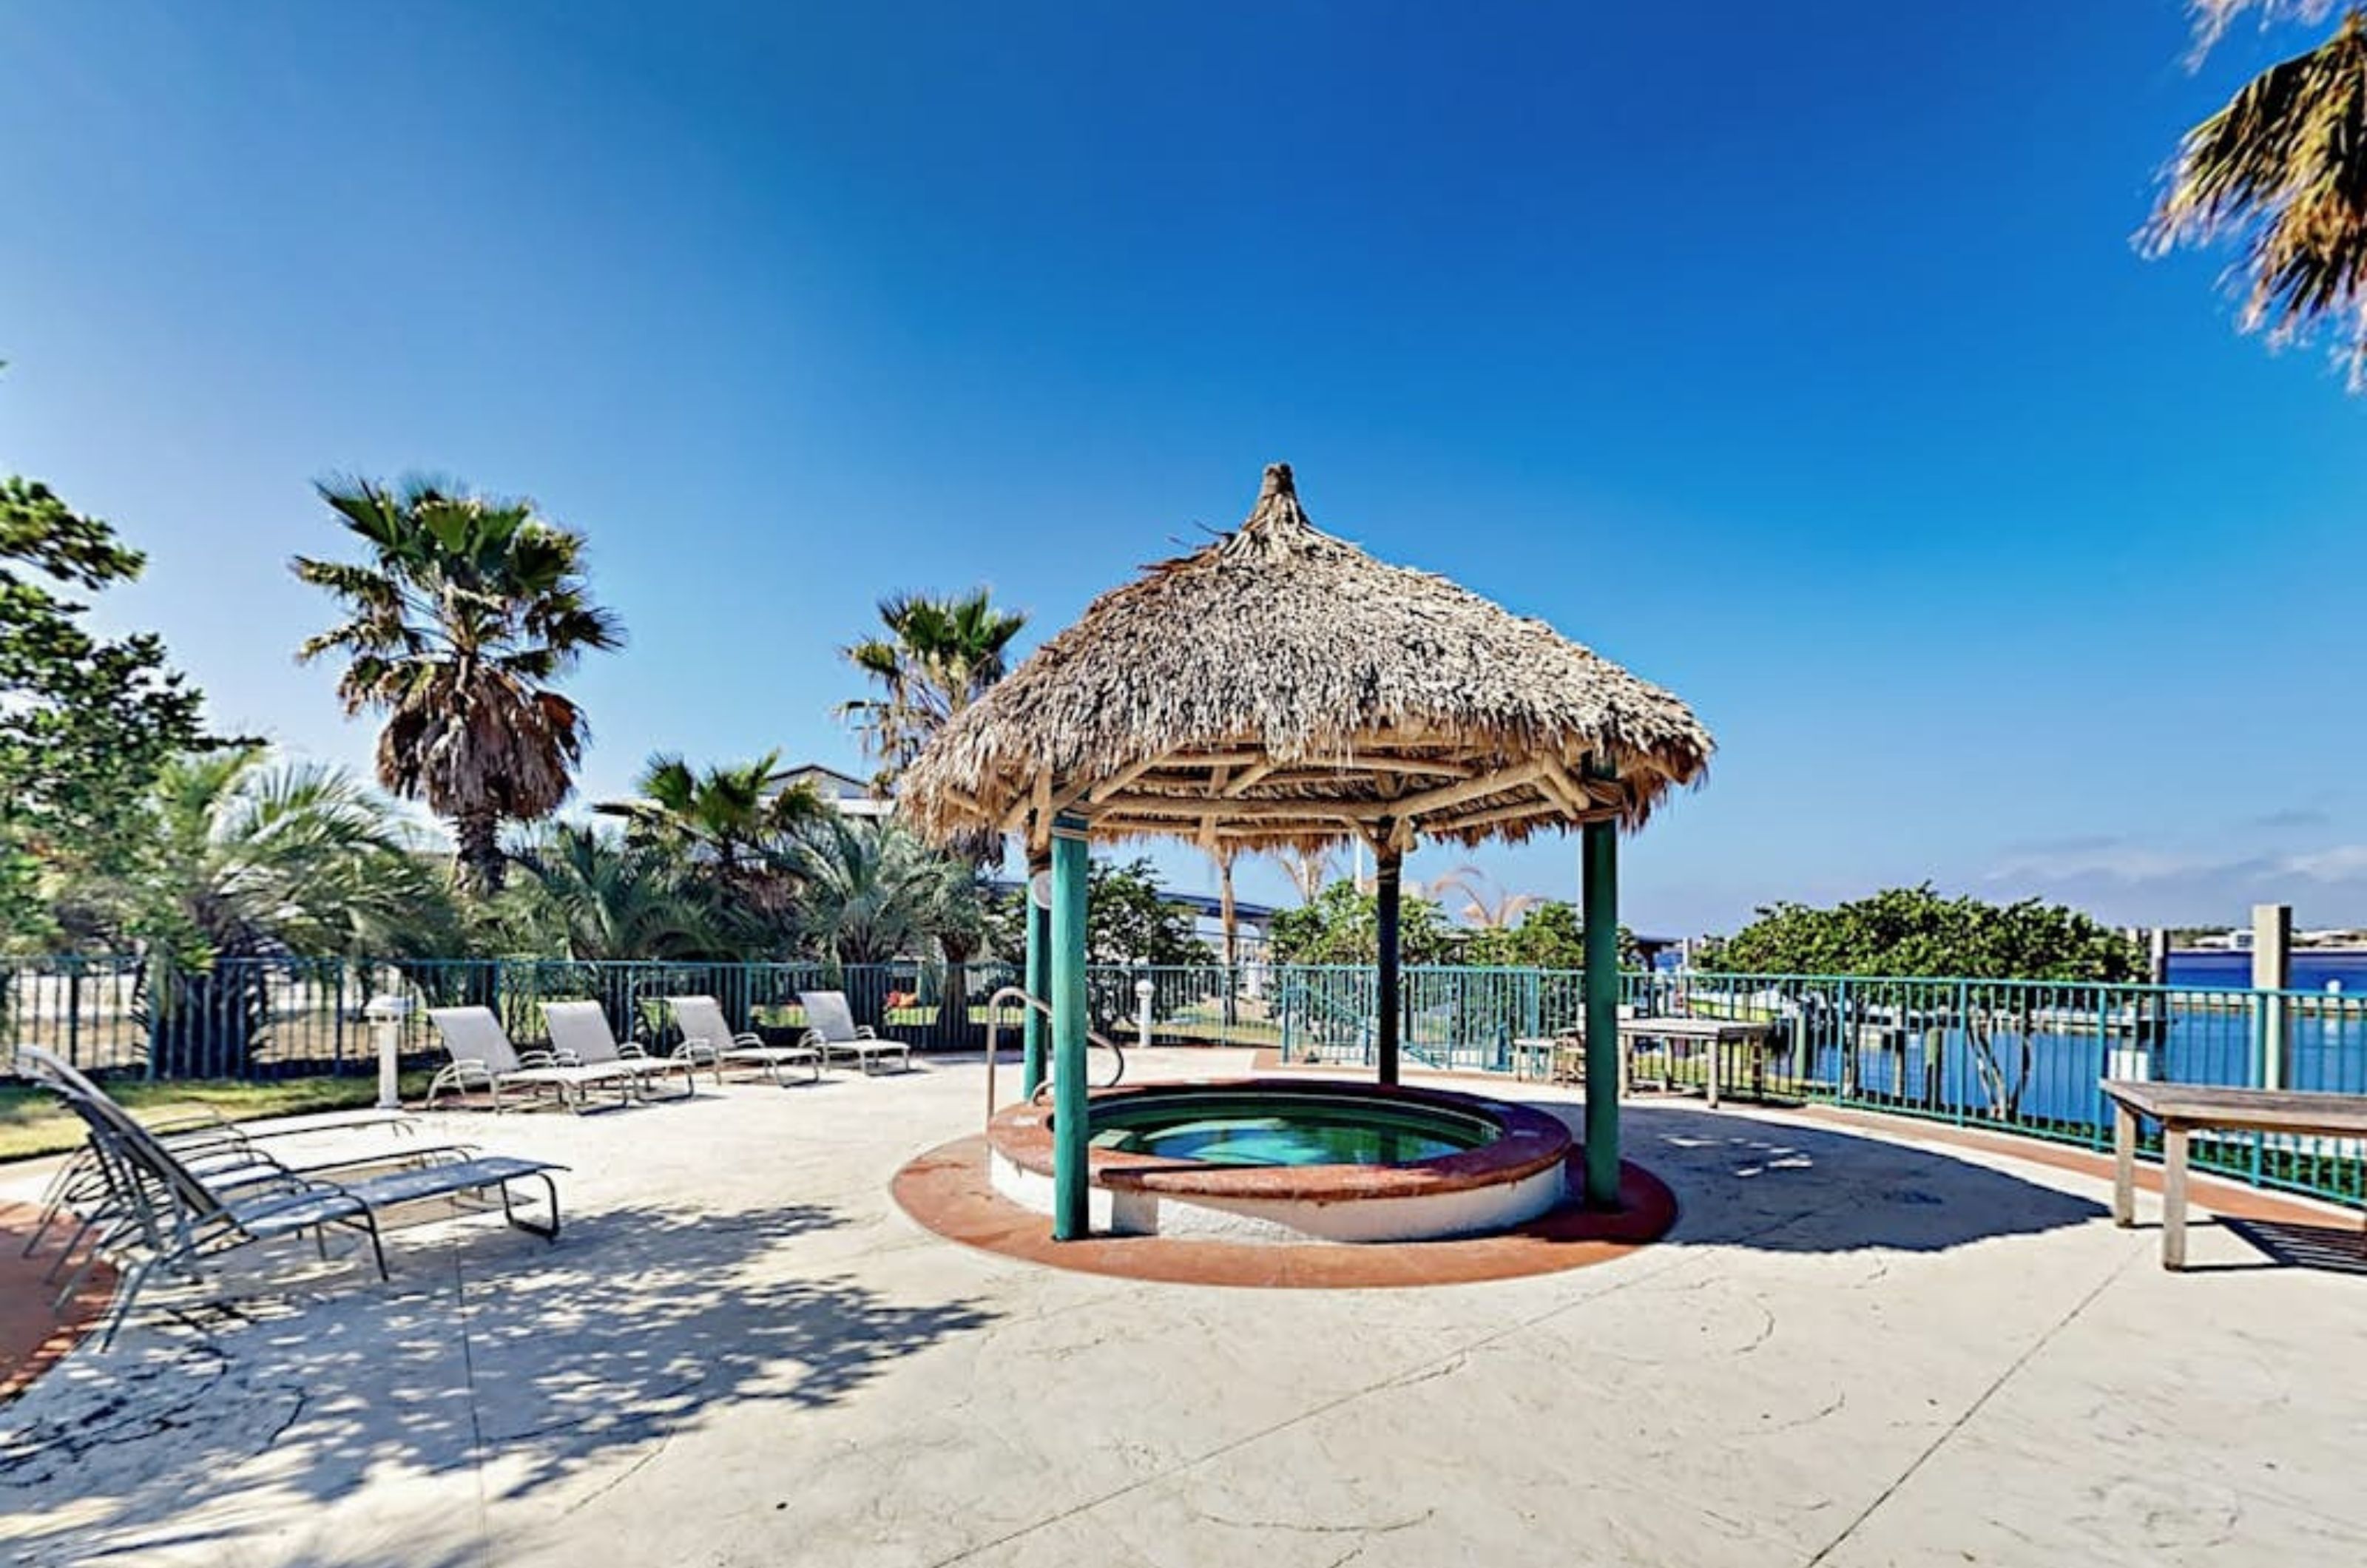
[466, 610]
[2281, 170]
[938, 657]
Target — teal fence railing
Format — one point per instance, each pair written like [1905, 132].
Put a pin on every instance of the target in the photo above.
[2023, 1057]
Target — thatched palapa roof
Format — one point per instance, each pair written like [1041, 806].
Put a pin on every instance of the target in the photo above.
[1281, 688]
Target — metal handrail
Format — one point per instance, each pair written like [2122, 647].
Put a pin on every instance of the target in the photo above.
[994, 1040]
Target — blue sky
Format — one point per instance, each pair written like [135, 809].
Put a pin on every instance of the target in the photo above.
[1795, 355]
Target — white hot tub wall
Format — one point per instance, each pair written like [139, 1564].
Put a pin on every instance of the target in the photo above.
[1471, 1211]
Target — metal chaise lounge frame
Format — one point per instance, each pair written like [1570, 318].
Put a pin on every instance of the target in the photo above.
[203, 1137]
[483, 1057]
[580, 1037]
[171, 1217]
[834, 1031]
[93, 1197]
[701, 1019]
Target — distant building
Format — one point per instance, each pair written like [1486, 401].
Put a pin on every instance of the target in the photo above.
[851, 796]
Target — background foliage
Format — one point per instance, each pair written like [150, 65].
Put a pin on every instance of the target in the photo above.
[1913, 932]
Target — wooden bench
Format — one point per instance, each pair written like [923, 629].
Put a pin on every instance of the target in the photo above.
[2186, 1108]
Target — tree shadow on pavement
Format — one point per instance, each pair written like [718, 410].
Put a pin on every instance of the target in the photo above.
[492, 1348]
[1779, 1187]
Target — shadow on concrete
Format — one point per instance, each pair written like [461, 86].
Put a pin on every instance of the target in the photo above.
[2283, 1244]
[1744, 1182]
[533, 1360]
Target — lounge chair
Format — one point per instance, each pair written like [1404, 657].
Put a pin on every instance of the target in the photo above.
[204, 1138]
[171, 1216]
[831, 1030]
[580, 1037]
[483, 1057]
[701, 1019]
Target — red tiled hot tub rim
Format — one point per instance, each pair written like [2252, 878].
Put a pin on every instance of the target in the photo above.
[1529, 1141]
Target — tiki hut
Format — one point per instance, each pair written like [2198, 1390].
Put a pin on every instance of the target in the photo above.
[1280, 687]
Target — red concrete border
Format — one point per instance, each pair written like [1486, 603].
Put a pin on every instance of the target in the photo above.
[948, 1191]
[34, 1336]
[1528, 1141]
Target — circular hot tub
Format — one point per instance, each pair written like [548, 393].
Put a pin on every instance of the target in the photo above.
[1292, 1160]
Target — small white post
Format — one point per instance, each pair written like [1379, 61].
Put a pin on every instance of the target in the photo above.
[2272, 971]
[386, 1015]
[1142, 994]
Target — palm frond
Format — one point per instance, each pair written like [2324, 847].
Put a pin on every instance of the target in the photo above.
[2281, 171]
[2214, 17]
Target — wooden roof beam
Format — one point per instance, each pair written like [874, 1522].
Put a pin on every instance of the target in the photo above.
[1249, 778]
[1189, 808]
[1551, 813]
[1118, 781]
[1414, 805]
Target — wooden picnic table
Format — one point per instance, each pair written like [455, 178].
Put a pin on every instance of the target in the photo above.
[1717, 1033]
[2185, 1109]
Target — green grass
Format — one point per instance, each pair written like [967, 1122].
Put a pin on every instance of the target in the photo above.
[32, 1122]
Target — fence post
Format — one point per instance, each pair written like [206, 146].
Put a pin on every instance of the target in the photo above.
[1283, 1005]
[1963, 1046]
[1845, 1042]
[2101, 1113]
[161, 988]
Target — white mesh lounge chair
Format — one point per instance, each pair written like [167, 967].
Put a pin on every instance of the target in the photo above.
[580, 1037]
[701, 1019]
[171, 1216]
[483, 1057]
[831, 1030]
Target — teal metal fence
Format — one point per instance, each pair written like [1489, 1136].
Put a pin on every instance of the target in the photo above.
[275, 1018]
[2023, 1057]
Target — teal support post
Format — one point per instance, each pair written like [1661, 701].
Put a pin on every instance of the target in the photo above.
[1071, 1217]
[1388, 882]
[1037, 979]
[1599, 871]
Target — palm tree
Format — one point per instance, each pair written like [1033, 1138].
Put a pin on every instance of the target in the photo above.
[729, 820]
[1475, 887]
[466, 610]
[597, 896]
[1228, 918]
[939, 656]
[871, 891]
[2281, 168]
[1310, 871]
[251, 860]
[247, 862]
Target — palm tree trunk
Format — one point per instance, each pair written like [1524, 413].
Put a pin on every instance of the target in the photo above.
[478, 851]
[1228, 921]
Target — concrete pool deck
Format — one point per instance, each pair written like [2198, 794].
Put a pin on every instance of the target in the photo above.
[1855, 1349]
